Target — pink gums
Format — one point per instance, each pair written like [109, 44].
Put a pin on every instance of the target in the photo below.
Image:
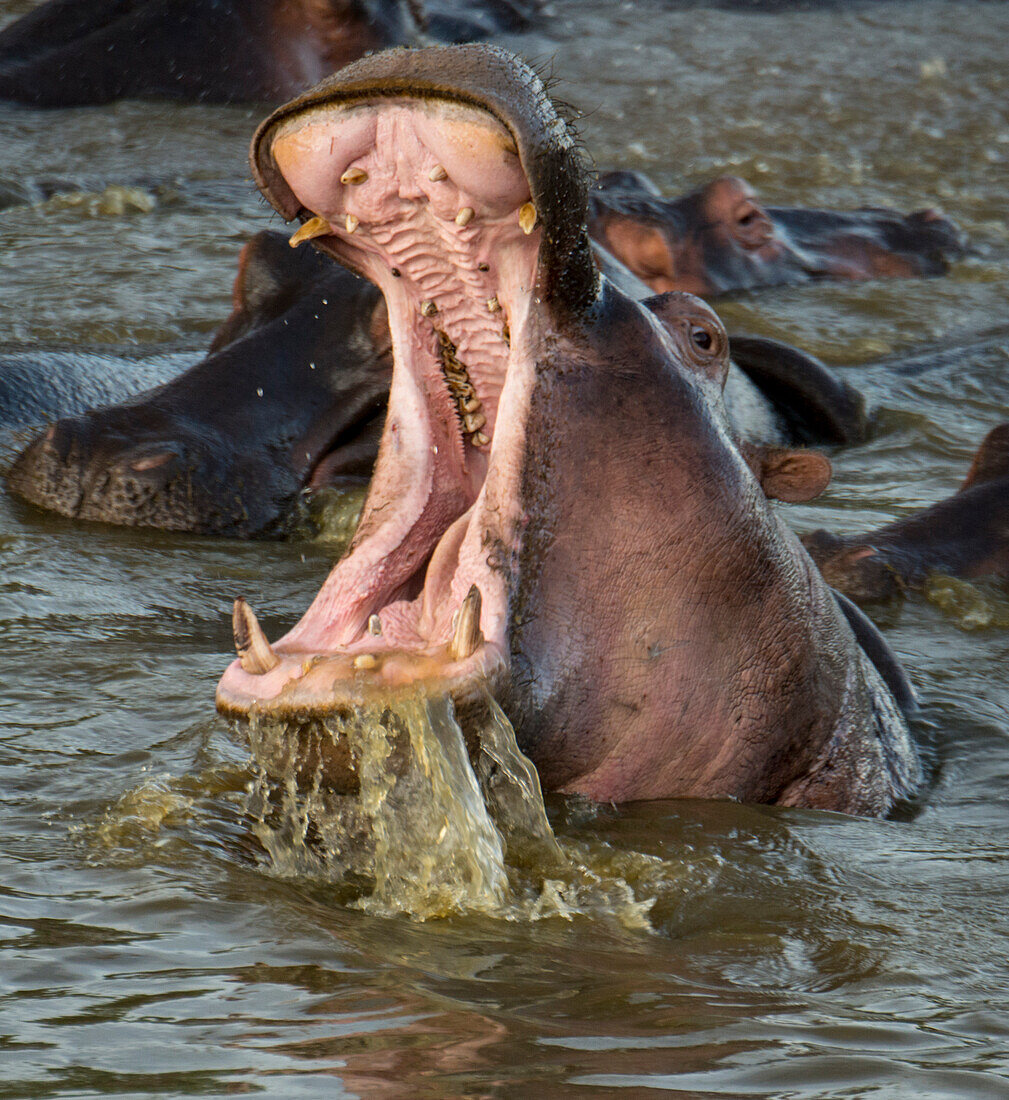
[430, 213]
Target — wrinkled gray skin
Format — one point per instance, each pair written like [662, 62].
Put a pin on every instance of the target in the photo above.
[667, 635]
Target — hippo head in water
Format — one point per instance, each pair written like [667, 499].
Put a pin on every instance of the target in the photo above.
[290, 399]
[557, 510]
[720, 238]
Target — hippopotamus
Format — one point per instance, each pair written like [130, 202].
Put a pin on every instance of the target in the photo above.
[965, 535]
[720, 238]
[558, 511]
[70, 53]
[291, 395]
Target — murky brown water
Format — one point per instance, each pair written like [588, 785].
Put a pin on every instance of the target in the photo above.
[150, 944]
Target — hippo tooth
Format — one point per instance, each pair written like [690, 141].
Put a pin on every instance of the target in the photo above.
[314, 227]
[470, 405]
[493, 304]
[479, 440]
[467, 634]
[527, 217]
[255, 653]
[365, 660]
[374, 624]
[465, 216]
[473, 422]
[353, 221]
[354, 176]
[437, 174]
[428, 308]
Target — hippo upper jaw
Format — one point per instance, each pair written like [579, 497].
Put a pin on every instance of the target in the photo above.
[429, 199]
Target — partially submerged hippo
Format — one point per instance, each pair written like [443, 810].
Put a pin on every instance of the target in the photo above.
[291, 397]
[70, 53]
[719, 238]
[966, 535]
[558, 509]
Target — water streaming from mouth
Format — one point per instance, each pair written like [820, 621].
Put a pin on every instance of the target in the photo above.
[429, 832]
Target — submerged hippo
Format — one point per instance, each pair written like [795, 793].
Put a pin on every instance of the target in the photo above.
[719, 238]
[966, 535]
[69, 53]
[557, 509]
[292, 395]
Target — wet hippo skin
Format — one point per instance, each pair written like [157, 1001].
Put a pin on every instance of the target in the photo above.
[558, 508]
[720, 238]
[78, 52]
[966, 535]
[293, 395]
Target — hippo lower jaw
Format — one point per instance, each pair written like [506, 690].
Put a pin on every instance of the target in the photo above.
[427, 199]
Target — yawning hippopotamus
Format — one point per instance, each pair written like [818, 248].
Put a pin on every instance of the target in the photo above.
[558, 510]
[966, 535]
[70, 53]
[719, 238]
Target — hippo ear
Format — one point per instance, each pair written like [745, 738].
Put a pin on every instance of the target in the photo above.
[790, 475]
[992, 459]
[641, 246]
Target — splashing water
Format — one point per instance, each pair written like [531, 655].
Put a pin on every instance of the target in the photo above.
[429, 833]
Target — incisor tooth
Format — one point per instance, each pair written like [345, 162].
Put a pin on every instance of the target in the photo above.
[314, 227]
[437, 174]
[354, 176]
[374, 624]
[527, 217]
[254, 652]
[467, 634]
[465, 216]
[493, 304]
[428, 308]
[353, 221]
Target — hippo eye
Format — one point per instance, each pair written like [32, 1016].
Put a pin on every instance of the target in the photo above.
[701, 338]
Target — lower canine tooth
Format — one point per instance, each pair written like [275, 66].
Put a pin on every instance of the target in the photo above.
[527, 217]
[467, 634]
[314, 227]
[255, 654]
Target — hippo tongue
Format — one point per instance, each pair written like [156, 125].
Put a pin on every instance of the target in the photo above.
[428, 199]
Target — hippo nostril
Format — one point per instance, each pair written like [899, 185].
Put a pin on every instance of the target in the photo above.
[151, 462]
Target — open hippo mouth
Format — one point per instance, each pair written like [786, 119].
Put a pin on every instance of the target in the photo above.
[450, 198]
